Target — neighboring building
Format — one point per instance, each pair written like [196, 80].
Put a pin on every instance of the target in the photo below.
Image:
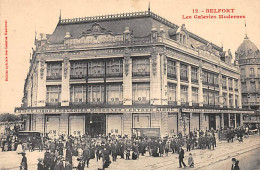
[129, 73]
[248, 60]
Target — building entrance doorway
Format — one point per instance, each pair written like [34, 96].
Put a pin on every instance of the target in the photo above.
[95, 124]
[212, 122]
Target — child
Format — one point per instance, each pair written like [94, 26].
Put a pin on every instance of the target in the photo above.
[191, 161]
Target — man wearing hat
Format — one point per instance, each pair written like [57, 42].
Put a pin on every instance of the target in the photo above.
[24, 165]
[40, 165]
[68, 165]
[235, 164]
[47, 159]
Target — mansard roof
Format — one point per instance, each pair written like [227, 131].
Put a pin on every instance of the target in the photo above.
[139, 23]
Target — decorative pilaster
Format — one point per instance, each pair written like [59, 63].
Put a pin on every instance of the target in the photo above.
[65, 84]
[155, 78]
[234, 95]
[221, 101]
[178, 87]
[41, 89]
[127, 78]
[200, 86]
[239, 94]
[189, 87]
[227, 100]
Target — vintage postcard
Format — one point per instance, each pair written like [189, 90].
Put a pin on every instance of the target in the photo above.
[129, 85]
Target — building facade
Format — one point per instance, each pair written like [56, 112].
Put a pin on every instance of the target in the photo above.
[131, 73]
[248, 61]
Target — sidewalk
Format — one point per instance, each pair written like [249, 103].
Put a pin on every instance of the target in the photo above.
[224, 150]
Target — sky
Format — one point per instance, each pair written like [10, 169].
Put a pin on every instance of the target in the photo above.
[25, 17]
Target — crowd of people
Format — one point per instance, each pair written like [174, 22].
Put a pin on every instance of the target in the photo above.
[9, 138]
[77, 152]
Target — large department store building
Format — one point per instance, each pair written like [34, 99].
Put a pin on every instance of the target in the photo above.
[131, 73]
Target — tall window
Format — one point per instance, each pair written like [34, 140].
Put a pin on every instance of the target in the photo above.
[224, 82]
[230, 84]
[210, 78]
[78, 94]
[243, 87]
[204, 77]
[216, 96]
[195, 95]
[171, 93]
[243, 73]
[252, 72]
[141, 93]
[236, 85]
[114, 67]
[216, 80]
[231, 100]
[194, 74]
[184, 72]
[53, 95]
[211, 98]
[184, 94]
[141, 67]
[114, 94]
[96, 68]
[54, 71]
[252, 86]
[78, 70]
[171, 69]
[244, 99]
[236, 101]
[95, 94]
[205, 97]
[225, 99]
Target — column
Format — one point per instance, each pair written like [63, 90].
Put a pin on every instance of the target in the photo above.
[241, 120]
[155, 79]
[164, 82]
[200, 87]
[65, 83]
[127, 79]
[235, 120]
[191, 128]
[41, 88]
[227, 92]
[220, 90]
[228, 120]
[239, 94]
[234, 95]
[222, 120]
[178, 87]
[189, 87]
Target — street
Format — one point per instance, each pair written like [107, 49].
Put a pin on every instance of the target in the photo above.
[219, 159]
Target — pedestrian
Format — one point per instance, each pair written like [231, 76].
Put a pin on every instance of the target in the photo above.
[191, 161]
[188, 143]
[81, 164]
[59, 164]
[47, 159]
[235, 163]
[68, 165]
[86, 155]
[40, 165]
[181, 157]
[24, 165]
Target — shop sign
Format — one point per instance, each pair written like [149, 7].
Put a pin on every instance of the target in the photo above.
[93, 110]
[215, 111]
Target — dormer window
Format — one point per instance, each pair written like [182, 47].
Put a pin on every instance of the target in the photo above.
[183, 38]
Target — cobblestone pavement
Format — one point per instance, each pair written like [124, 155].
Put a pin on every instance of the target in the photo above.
[203, 158]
